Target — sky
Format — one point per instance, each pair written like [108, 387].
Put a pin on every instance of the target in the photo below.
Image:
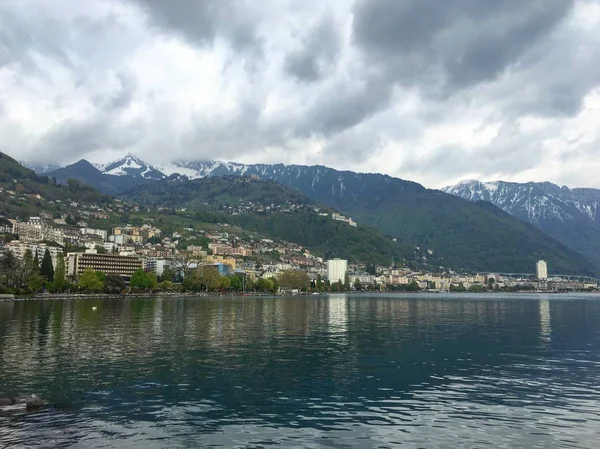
[426, 90]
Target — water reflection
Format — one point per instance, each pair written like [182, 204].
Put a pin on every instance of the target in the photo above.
[545, 320]
[345, 370]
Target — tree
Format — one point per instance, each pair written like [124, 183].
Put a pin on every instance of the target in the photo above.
[58, 285]
[36, 260]
[275, 282]
[458, 288]
[47, 269]
[413, 287]
[152, 280]
[209, 278]
[358, 285]
[114, 284]
[294, 279]
[319, 283]
[236, 283]
[371, 269]
[28, 275]
[346, 282]
[89, 281]
[191, 282]
[141, 280]
[165, 286]
[225, 283]
[168, 275]
[9, 265]
[264, 285]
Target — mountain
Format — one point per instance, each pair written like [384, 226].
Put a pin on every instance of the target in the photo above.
[454, 232]
[457, 233]
[41, 169]
[23, 192]
[131, 166]
[571, 216]
[85, 172]
[274, 210]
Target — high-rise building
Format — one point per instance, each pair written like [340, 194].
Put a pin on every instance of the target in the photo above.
[542, 270]
[336, 270]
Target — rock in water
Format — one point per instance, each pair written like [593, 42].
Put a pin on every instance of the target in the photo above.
[34, 402]
[28, 403]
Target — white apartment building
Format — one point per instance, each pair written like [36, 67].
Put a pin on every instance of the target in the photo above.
[99, 232]
[542, 270]
[157, 265]
[19, 248]
[336, 270]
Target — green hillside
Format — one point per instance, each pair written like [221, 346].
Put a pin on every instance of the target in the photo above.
[24, 193]
[274, 210]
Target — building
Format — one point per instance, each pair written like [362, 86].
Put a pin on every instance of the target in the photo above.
[123, 266]
[18, 248]
[158, 265]
[99, 232]
[542, 270]
[340, 217]
[336, 270]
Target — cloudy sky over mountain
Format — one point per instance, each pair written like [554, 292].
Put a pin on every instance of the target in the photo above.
[428, 90]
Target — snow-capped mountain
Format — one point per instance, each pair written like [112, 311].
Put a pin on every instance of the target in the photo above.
[131, 166]
[41, 169]
[407, 211]
[571, 216]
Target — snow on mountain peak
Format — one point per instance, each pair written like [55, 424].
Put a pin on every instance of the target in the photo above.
[130, 165]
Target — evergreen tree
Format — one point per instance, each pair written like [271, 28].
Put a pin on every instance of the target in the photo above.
[36, 260]
[47, 269]
[59, 275]
[319, 283]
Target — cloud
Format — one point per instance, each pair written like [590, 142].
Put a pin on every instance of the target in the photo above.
[317, 53]
[202, 22]
[428, 90]
[452, 45]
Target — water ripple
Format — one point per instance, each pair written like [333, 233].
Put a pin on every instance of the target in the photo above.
[339, 372]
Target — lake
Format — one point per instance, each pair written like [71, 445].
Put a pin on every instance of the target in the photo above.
[372, 371]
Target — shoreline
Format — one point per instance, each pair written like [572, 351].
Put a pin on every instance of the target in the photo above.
[96, 296]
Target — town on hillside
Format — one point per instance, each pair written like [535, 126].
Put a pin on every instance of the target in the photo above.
[49, 253]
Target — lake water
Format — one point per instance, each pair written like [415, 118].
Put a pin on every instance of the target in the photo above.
[332, 372]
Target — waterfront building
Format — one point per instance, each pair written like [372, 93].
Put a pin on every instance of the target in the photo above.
[158, 265]
[542, 270]
[336, 270]
[18, 248]
[123, 266]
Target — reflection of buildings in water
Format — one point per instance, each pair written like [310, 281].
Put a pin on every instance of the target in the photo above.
[545, 320]
[337, 318]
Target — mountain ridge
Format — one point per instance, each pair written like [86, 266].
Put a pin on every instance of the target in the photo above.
[464, 235]
[571, 216]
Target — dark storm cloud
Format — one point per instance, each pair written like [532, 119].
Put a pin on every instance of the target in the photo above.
[444, 46]
[317, 53]
[19, 37]
[345, 105]
[200, 22]
[416, 87]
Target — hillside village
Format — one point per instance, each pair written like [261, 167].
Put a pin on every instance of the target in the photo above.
[229, 250]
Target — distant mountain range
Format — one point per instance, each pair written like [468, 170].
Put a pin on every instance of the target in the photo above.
[470, 235]
[571, 216]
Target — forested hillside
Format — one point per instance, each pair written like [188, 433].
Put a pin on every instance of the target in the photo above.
[277, 211]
